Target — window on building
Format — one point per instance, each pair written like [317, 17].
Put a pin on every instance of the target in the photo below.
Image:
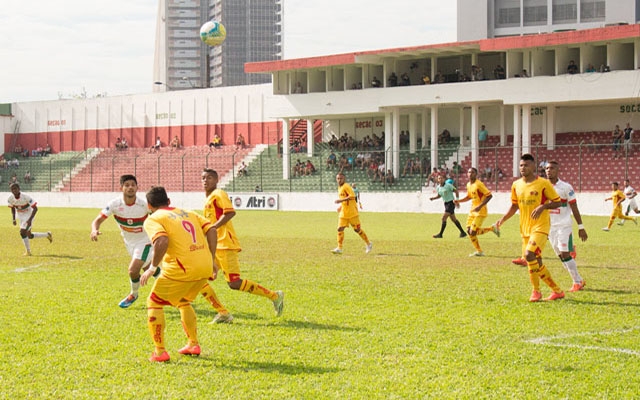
[535, 12]
[507, 13]
[592, 10]
[565, 11]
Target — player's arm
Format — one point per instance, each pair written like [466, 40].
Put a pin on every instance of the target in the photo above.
[483, 203]
[33, 214]
[632, 195]
[13, 215]
[226, 217]
[434, 198]
[212, 242]
[95, 227]
[466, 198]
[535, 214]
[160, 246]
[576, 214]
[512, 210]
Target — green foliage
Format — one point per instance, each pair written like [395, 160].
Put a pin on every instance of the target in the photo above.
[416, 318]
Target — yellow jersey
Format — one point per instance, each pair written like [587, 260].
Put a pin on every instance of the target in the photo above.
[348, 208]
[528, 196]
[616, 197]
[188, 257]
[477, 192]
[215, 206]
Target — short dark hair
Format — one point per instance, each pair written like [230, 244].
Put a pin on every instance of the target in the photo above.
[474, 169]
[615, 183]
[127, 177]
[157, 197]
[527, 157]
[14, 184]
[210, 171]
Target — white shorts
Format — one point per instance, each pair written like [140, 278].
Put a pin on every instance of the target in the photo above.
[140, 251]
[632, 204]
[23, 218]
[561, 239]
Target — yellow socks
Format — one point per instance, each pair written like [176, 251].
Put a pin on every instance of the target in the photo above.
[189, 324]
[255, 288]
[209, 294]
[156, 323]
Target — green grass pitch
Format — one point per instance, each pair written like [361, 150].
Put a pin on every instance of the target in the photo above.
[417, 318]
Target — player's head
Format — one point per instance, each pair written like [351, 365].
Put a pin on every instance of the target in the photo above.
[15, 188]
[209, 179]
[552, 168]
[472, 173]
[341, 179]
[527, 165]
[129, 185]
[157, 197]
[614, 185]
[626, 183]
[128, 177]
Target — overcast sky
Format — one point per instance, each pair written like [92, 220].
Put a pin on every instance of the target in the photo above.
[49, 47]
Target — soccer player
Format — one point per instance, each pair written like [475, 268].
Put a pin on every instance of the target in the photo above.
[130, 212]
[446, 191]
[479, 195]
[219, 211]
[348, 214]
[617, 197]
[25, 209]
[534, 196]
[185, 244]
[630, 194]
[561, 232]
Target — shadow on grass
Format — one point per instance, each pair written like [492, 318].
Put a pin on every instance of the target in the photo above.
[265, 366]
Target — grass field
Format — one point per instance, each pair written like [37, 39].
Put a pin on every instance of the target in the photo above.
[415, 319]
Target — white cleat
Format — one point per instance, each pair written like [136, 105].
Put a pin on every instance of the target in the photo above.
[368, 248]
[605, 229]
[337, 250]
[476, 254]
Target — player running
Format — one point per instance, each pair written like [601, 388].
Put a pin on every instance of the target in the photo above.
[617, 197]
[348, 214]
[479, 195]
[630, 194]
[561, 232]
[24, 210]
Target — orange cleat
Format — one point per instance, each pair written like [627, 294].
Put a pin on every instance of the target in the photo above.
[577, 286]
[520, 261]
[190, 350]
[164, 357]
[535, 296]
[555, 296]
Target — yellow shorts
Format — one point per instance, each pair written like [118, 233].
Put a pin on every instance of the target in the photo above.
[228, 262]
[535, 243]
[346, 222]
[474, 221]
[167, 292]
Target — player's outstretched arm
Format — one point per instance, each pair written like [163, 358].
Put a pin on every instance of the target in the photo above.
[95, 227]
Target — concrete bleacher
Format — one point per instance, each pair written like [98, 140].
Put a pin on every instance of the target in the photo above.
[45, 171]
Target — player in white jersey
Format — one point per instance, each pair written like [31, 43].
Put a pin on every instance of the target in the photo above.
[23, 210]
[630, 195]
[560, 234]
[129, 211]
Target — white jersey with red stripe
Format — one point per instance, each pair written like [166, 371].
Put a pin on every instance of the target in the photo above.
[562, 216]
[129, 218]
[23, 205]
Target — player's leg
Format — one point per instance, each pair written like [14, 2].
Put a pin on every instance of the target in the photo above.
[355, 223]
[25, 233]
[223, 315]
[453, 218]
[141, 255]
[472, 221]
[228, 261]
[188, 318]
[534, 249]
[342, 224]
[158, 298]
[443, 225]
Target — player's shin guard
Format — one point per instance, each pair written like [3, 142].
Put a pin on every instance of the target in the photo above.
[545, 275]
[533, 274]
[571, 266]
[208, 293]
[340, 238]
[135, 286]
[363, 236]
[188, 319]
[27, 244]
[475, 243]
[156, 323]
[610, 224]
[257, 289]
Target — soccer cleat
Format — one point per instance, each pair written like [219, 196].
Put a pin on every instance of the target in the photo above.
[164, 357]
[621, 223]
[27, 253]
[128, 301]
[368, 248]
[555, 296]
[222, 318]
[605, 229]
[535, 296]
[438, 236]
[476, 254]
[337, 250]
[520, 261]
[49, 237]
[278, 304]
[495, 229]
[463, 235]
[190, 350]
[577, 286]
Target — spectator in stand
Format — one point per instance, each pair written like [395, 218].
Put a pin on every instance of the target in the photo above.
[258, 189]
[375, 82]
[118, 143]
[215, 142]
[331, 160]
[590, 68]
[628, 136]
[405, 80]
[498, 72]
[488, 172]
[156, 146]
[18, 149]
[242, 170]
[456, 168]
[175, 143]
[298, 88]
[309, 168]
[483, 134]
[3, 162]
[439, 78]
[124, 144]
[408, 167]
[572, 68]
[393, 79]
[240, 143]
[13, 179]
[499, 173]
[27, 177]
[617, 135]
[25, 153]
[388, 178]
[426, 80]
[47, 150]
[445, 136]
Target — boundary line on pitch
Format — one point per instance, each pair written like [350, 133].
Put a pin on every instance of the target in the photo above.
[549, 341]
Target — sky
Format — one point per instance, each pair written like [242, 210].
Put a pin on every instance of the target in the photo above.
[52, 49]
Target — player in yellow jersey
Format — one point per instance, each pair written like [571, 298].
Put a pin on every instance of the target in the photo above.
[219, 211]
[185, 244]
[534, 197]
[617, 197]
[348, 214]
[479, 195]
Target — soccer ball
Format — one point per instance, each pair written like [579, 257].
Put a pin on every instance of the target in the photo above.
[213, 33]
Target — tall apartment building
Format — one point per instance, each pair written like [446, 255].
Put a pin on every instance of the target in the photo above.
[482, 19]
[182, 61]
